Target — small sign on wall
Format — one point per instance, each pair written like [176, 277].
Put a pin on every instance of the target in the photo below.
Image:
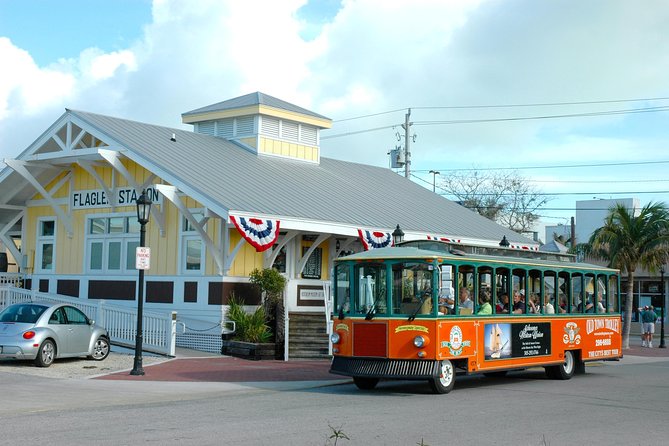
[142, 257]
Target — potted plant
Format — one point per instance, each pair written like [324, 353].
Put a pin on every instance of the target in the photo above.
[252, 335]
[271, 284]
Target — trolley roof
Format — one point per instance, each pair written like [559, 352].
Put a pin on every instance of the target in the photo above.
[408, 253]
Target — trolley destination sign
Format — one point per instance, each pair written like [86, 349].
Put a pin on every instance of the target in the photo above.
[122, 196]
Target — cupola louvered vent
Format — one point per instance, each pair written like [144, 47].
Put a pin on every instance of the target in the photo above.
[244, 125]
[206, 127]
[270, 127]
[225, 128]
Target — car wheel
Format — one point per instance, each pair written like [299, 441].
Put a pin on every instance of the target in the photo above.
[46, 354]
[445, 379]
[564, 370]
[100, 349]
[365, 383]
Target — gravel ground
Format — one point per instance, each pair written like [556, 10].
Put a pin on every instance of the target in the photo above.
[78, 367]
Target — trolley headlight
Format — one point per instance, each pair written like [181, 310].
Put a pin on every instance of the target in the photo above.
[419, 342]
[335, 338]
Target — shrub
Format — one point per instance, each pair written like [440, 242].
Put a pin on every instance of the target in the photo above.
[249, 327]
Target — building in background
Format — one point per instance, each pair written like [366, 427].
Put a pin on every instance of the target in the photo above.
[248, 188]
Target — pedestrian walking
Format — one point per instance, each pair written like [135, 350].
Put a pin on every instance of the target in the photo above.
[648, 318]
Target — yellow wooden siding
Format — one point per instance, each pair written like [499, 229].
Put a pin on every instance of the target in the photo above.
[246, 260]
[165, 250]
[324, 123]
[252, 142]
[288, 149]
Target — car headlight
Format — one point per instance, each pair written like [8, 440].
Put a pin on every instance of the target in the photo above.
[335, 338]
[419, 341]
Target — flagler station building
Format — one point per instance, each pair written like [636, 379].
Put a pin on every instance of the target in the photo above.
[247, 188]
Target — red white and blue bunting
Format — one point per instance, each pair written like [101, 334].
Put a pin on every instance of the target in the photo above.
[444, 239]
[261, 234]
[375, 239]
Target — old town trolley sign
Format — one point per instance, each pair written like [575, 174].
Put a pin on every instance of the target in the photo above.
[400, 313]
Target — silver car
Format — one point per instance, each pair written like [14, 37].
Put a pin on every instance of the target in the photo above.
[44, 332]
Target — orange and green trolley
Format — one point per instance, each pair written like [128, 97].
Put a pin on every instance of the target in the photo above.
[430, 312]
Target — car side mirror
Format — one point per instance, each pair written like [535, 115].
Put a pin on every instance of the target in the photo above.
[91, 322]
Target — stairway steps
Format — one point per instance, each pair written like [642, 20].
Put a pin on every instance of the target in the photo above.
[307, 334]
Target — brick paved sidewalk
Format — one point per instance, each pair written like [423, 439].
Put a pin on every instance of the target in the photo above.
[229, 369]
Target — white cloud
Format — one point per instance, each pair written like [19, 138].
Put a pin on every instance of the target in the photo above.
[25, 89]
[375, 56]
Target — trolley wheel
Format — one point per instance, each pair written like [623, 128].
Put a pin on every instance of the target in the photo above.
[564, 370]
[365, 383]
[444, 381]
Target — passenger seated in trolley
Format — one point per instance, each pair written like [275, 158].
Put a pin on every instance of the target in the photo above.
[484, 303]
[465, 304]
[548, 306]
[518, 304]
[446, 302]
[503, 304]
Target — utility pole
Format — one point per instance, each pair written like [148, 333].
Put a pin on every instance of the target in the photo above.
[434, 179]
[407, 138]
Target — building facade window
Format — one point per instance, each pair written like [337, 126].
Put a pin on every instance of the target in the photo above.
[192, 249]
[45, 248]
[111, 242]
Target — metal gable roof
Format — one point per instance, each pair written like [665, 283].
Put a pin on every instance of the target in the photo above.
[251, 99]
[224, 176]
[228, 176]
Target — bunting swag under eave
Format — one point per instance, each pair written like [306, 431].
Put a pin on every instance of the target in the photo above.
[261, 234]
[375, 239]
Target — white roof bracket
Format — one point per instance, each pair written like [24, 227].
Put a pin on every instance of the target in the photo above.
[9, 243]
[114, 159]
[88, 167]
[170, 192]
[303, 261]
[20, 168]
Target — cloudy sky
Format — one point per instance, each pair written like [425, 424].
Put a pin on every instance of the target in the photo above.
[574, 94]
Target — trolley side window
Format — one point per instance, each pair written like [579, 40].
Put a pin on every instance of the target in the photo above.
[412, 288]
[371, 287]
[342, 289]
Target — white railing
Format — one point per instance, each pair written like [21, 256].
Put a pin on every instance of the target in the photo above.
[11, 279]
[159, 330]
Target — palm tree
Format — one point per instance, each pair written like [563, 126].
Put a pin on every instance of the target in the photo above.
[626, 241]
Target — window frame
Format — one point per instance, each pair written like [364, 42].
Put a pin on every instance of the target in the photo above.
[185, 235]
[44, 240]
[127, 238]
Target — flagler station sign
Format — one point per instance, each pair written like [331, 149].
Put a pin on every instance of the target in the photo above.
[97, 198]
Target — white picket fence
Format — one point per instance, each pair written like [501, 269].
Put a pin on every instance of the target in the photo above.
[159, 330]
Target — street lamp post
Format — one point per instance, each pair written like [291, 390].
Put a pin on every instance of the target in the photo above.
[664, 301]
[434, 179]
[143, 211]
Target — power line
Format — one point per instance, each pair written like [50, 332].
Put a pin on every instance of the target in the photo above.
[563, 166]
[530, 180]
[484, 106]
[545, 104]
[529, 118]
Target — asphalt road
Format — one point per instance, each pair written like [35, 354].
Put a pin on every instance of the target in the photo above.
[623, 403]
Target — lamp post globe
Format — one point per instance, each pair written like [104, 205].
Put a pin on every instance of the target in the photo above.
[398, 235]
[143, 212]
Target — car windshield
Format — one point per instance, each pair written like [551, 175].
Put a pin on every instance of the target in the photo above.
[25, 313]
